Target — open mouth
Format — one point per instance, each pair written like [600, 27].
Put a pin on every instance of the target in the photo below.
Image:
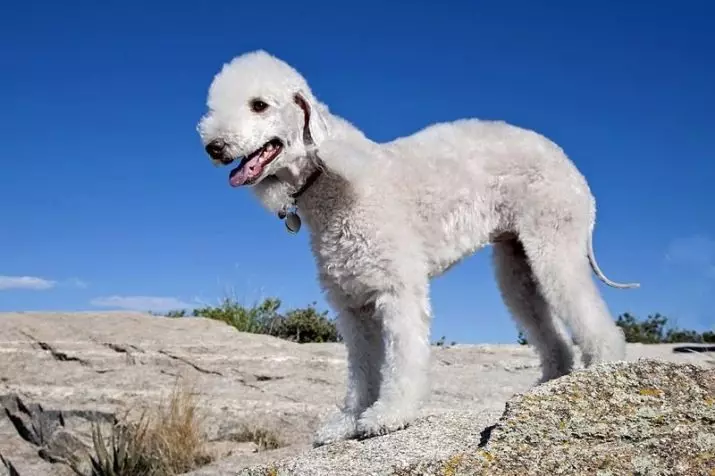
[252, 166]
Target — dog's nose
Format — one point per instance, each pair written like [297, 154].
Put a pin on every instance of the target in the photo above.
[215, 149]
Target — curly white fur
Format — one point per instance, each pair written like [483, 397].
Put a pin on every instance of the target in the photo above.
[385, 218]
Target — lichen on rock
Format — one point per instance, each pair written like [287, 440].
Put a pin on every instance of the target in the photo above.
[646, 417]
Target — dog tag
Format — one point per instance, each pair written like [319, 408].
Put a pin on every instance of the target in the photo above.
[292, 222]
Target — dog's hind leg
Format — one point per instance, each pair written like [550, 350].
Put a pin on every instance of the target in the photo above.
[363, 341]
[523, 298]
[560, 263]
[405, 314]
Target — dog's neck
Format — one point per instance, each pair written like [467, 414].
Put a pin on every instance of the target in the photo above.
[303, 177]
[317, 194]
[315, 170]
[328, 200]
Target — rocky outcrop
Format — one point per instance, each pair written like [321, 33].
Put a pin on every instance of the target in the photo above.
[61, 373]
[88, 366]
[646, 418]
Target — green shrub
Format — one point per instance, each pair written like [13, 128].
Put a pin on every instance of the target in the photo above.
[442, 342]
[176, 313]
[651, 330]
[521, 338]
[245, 319]
[305, 325]
[299, 325]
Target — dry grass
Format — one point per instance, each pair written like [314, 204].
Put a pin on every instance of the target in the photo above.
[264, 438]
[176, 434]
[164, 442]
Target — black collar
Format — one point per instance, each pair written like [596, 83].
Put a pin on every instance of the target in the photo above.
[308, 183]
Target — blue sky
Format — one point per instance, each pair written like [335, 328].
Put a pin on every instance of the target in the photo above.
[108, 201]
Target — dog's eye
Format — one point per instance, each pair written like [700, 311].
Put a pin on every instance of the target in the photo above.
[258, 106]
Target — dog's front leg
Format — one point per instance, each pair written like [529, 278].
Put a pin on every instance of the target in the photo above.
[405, 315]
[363, 341]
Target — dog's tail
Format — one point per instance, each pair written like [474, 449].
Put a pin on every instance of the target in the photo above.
[596, 269]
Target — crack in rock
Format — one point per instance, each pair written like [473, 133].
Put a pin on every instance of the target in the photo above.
[485, 435]
[693, 348]
[250, 385]
[190, 363]
[32, 423]
[122, 348]
[126, 349]
[59, 355]
[12, 471]
[56, 354]
[46, 429]
[267, 378]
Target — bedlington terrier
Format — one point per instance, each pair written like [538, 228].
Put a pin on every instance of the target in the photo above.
[384, 218]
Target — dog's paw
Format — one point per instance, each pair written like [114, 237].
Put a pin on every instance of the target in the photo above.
[553, 370]
[340, 426]
[608, 347]
[378, 420]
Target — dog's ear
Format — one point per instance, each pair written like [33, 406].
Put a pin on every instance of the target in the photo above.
[315, 127]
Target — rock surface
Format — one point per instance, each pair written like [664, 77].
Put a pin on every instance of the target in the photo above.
[647, 418]
[60, 372]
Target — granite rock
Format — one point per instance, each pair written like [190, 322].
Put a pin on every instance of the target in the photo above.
[60, 373]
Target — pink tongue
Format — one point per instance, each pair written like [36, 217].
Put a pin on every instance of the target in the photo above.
[249, 170]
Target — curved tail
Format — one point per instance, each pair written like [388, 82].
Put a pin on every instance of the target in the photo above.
[599, 273]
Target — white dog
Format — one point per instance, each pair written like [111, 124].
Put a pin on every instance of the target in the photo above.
[385, 218]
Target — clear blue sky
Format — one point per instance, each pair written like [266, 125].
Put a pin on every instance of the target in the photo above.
[107, 199]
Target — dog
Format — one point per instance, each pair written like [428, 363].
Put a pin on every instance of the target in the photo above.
[385, 218]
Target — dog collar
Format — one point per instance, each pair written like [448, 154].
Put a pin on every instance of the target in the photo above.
[308, 183]
[290, 215]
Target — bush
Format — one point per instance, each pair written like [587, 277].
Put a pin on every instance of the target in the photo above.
[304, 325]
[246, 319]
[301, 325]
[442, 342]
[649, 331]
[521, 338]
[652, 330]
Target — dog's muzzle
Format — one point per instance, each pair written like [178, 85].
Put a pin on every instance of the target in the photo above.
[217, 151]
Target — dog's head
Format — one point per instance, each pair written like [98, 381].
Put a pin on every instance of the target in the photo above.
[261, 114]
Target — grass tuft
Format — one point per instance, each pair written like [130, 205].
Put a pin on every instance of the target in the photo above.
[166, 442]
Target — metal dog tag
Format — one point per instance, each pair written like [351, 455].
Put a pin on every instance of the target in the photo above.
[292, 222]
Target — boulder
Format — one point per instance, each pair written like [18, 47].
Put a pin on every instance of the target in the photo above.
[646, 418]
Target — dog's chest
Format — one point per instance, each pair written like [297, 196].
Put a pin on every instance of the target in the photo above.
[351, 257]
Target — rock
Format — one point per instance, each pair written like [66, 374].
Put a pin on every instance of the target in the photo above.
[647, 418]
[694, 348]
[431, 438]
[60, 373]
[85, 368]
[44, 430]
